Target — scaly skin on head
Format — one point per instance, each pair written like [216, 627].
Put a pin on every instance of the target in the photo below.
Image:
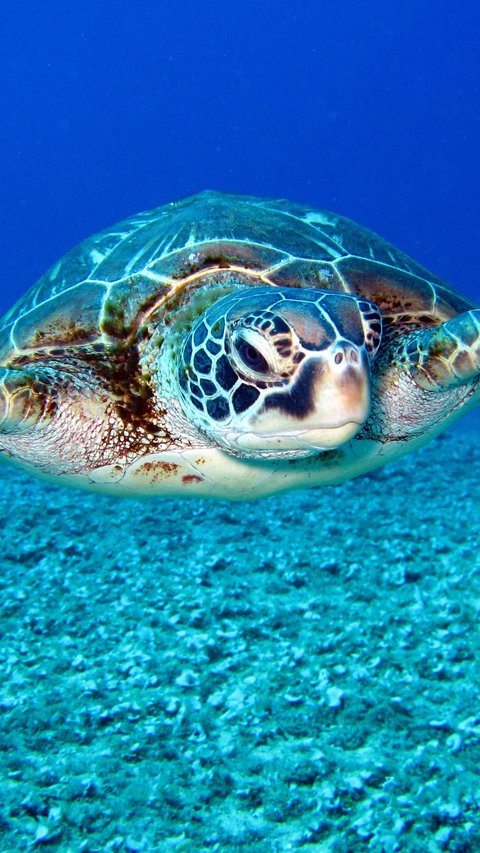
[278, 371]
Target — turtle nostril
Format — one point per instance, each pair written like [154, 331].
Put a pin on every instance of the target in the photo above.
[346, 354]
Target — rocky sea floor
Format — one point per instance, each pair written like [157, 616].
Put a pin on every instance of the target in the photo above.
[298, 673]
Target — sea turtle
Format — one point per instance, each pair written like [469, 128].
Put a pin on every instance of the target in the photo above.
[233, 347]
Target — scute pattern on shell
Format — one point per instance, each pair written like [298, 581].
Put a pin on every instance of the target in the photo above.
[96, 291]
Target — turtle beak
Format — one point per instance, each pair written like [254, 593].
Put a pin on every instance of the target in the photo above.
[339, 395]
[326, 406]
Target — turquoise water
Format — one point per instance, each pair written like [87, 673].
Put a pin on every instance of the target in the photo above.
[298, 673]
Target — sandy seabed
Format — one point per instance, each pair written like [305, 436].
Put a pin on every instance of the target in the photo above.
[298, 673]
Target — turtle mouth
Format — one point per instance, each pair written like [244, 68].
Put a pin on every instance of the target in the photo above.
[326, 407]
[294, 442]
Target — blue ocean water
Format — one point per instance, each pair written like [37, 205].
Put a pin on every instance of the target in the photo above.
[371, 111]
[297, 673]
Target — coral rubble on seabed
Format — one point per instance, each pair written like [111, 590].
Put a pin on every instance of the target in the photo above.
[298, 673]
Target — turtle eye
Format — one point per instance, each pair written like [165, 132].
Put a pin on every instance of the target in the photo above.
[251, 352]
[251, 356]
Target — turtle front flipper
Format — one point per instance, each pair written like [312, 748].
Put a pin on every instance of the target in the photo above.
[445, 356]
[54, 417]
[22, 398]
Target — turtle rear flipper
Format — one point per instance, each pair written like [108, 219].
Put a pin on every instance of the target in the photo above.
[445, 356]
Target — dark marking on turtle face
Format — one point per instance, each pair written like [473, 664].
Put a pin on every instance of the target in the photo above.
[201, 362]
[297, 400]
[218, 408]
[188, 351]
[196, 390]
[218, 328]
[224, 374]
[213, 347]
[208, 387]
[200, 334]
[244, 397]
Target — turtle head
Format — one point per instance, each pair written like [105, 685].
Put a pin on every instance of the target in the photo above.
[271, 371]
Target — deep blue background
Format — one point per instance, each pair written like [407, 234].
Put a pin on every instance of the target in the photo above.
[371, 109]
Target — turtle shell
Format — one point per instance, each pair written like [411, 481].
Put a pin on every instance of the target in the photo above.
[102, 291]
